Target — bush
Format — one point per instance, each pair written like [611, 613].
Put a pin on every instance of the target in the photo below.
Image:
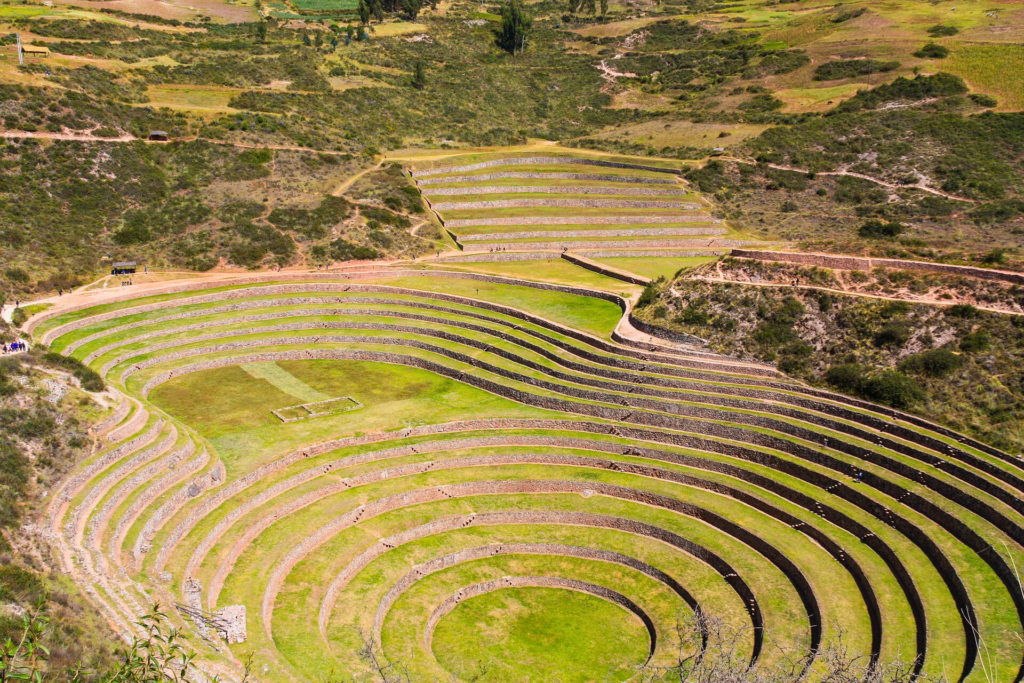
[342, 250]
[894, 333]
[875, 229]
[997, 212]
[975, 342]
[963, 311]
[649, 295]
[845, 376]
[892, 388]
[932, 51]
[982, 100]
[940, 31]
[914, 89]
[90, 379]
[851, 68]
[935, 363]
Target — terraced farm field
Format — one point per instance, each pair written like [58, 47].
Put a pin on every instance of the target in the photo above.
[511, 486]
[502, 207]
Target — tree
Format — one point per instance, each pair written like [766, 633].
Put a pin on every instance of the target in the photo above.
[377, 8]
[604, 7]
[319, 40]
[305, 39]
[515, 26]
[364, 13]
[419, 75]
[412, 8]
[261, 31]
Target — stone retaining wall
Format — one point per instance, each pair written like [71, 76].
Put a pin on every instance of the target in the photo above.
[101, 516]
[684, 243]
[857, 263]
[134, 424]
[76, 520]
[500, 257]
[566, 203]
[121, 411]
[578, 220]
[73, 485]
[527, 161]
[652, 254]
[552, 189]
[175, 473]
[660, 332]
[639, 232]
[527, 175]
[214, 477]
[607, 271]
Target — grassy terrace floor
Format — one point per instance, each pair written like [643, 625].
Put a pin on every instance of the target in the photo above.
[491, 445]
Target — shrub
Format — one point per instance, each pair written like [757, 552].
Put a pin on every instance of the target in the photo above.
[935, 363]
[845, 376]
[975, 342]
[892, 388]
[90, 379]
[649, 295]
[997, 212]
[941, 31]
[851, 68]
[963, 311]
[693, 316]
[875, 229]
[920, 88]
[982, 100]
[761, 104]
[932, 51]
[894, 333]
[342, 250]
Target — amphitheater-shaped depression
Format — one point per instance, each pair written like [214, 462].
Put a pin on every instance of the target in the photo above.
[509, 468]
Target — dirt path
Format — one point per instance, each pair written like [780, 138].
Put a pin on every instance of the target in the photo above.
[893, 186]
[348, 183]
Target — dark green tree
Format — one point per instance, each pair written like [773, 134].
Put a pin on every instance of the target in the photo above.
[261, 31]
[364, 13]
[377, 8]
[306, 40]
[515, 27]
[412, 8]
[419, 75]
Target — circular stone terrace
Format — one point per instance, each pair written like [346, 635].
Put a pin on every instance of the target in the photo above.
[499, 457]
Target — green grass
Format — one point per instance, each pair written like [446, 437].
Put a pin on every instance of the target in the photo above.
[540, 635]
[984, 68]
[237, 421]
[656, 267]
[595, 316]
[554, 269]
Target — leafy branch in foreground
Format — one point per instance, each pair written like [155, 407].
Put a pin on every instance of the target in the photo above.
[161, 655]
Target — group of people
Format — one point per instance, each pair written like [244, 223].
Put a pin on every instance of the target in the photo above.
[493, 249]
[15, 347]
[127, 283]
